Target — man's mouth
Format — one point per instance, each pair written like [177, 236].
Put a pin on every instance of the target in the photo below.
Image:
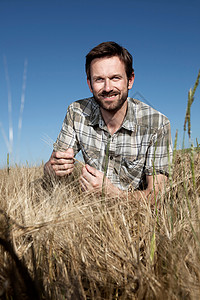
[109, 96]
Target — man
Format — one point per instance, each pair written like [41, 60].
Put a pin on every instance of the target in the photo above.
[120, 136]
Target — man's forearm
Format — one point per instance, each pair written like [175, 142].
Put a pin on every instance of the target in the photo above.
[112, 191]
[137, 195]
[149, 196]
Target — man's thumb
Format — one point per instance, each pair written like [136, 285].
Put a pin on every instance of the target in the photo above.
[91, 170]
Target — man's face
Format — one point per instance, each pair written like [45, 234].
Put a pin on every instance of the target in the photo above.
[109, 83]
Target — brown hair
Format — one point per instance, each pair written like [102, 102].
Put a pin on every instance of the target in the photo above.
[109, 49]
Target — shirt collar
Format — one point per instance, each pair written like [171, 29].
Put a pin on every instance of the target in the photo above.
[95, 117]
[129, 122]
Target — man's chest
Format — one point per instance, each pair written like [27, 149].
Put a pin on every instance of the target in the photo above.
[97, 144]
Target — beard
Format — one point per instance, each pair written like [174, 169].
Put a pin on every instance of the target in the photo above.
[111, 106]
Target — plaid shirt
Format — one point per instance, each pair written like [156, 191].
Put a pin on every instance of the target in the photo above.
[141, 146]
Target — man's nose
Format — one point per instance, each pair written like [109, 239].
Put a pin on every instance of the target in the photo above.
[107, 85]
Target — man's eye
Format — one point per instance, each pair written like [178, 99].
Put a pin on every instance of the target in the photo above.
[116, 78]
[97, 80]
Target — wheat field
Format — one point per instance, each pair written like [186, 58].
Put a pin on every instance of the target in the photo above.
[57, 242]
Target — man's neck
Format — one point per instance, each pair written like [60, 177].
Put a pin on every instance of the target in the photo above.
[114, 119]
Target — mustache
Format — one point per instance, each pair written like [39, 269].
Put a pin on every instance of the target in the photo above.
[111, 93]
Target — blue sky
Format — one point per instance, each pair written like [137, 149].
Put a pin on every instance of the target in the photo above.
[54, 37]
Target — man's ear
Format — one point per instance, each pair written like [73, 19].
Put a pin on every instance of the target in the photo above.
[131, 81]
[89, 84]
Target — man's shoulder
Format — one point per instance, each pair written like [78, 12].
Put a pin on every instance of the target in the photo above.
[146, 115]
[86, 106]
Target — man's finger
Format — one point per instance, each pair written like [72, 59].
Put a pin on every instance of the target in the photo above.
[91, 170]
[86, 176]
[62, 173]
[83, 181]
[61, 161]
[69, 153]
[64, 166]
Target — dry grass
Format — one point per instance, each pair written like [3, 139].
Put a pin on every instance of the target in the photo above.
[58, 243]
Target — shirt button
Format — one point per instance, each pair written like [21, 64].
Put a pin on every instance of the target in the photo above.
[111, 157]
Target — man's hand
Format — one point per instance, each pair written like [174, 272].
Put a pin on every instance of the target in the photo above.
[92, 180]
[60, 163]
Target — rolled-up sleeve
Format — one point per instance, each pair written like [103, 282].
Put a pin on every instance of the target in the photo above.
[67, 136]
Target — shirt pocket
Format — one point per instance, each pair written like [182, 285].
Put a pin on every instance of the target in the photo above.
[131, 172]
